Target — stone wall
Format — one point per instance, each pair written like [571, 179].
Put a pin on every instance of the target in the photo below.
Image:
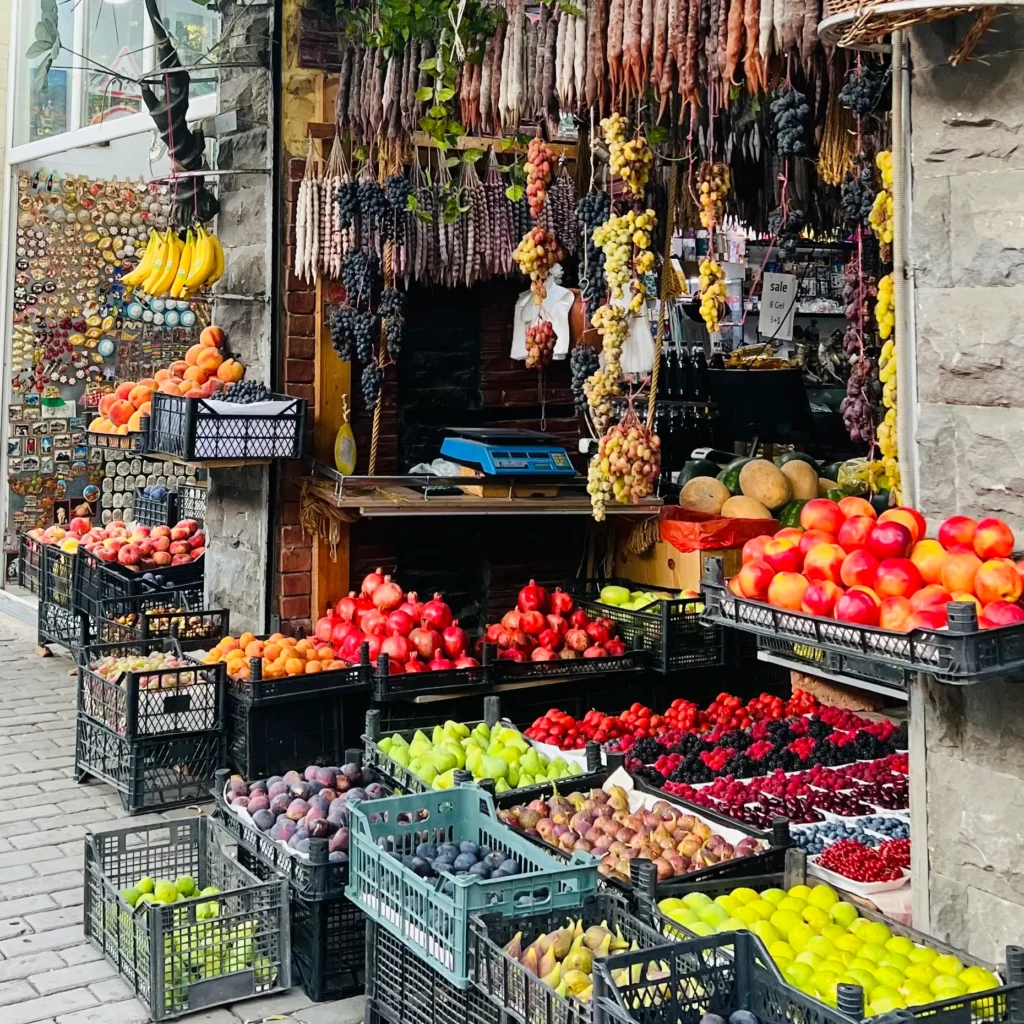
[237, 512]
[967, 259]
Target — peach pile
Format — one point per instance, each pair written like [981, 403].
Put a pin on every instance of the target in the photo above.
[67, 539]
[146, 547]
[282, 656]
[844, 562]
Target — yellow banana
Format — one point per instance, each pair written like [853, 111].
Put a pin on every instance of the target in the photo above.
[163, 285]
[145, 265]
[183, 266]
[218, 270]
[158, 264]
[202, 261]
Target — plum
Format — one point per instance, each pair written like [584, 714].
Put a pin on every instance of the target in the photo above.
[508, 867]
[319, 828]
[318, 807]
[325, 777]
[272, 780]
[291, 777]
[299, 790]
[421, 867]
[277, 788]
[464, 861]
[428, 851]
[259, 785]
[237, 786]
[448, 850]
[263, 820]
[297, 836]
[480, 870]
[279, 804]
[467, 846]
[240, 801]
[314, 787]
[352, 772]
[328, 794]
[297, 809]
[374, 791]
[356, 794]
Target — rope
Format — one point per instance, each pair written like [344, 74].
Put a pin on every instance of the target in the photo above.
[668, 289]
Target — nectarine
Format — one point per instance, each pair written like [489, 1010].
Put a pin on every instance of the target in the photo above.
[858, 607]
[930, 557]
[786, 590]
[813, 537]
[1001, 613]
[853, 506]
[909, 517]
[959, 572]
[957, 530]
[993, 539]
[753, 580]
[854, 533]
[929, 596]
[820, 598]
[211, 335]
[894, 613]
[121, 412]
[122, 391]
[997, 579]
[897, 577]
[890, 540]
[105, 403]
[783, 555]
[822, 514]
[859, 568]
[824, 562]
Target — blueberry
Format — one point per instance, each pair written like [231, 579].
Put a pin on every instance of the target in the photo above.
[421, 867]
[446, 849]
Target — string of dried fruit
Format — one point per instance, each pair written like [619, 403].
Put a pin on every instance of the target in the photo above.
[562, 206]
[838, 142]
[626, 466]
[614, 237]
[857, 407]
[606, 382]
[540, 161]
[306, 221]
[880, 217]
[392, 309]
[643, 225]
[583, 362]
[499, 214]
[540, 345]
[592, 211]
[473, 223]
[713, 181]
[885, 316]
[332, 234]
[712, 292]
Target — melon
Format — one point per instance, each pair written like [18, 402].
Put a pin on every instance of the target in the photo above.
[765, 482]
[803, 479]
[742, 507]
[825, 485]
[704, 494]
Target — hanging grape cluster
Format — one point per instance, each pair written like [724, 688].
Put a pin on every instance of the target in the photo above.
[374, 208]
[786, 229]
[398, 188]
[536, 254]
[791, 113]
[862, 88]
[626, 466]
[347, 198]
[605, 383]
[392, 309]
[629, 159]
[858, 193]
[352, 333]
[583, 363]
[371, 382]
[591, 211]
[880, 217]
[359, 270]
[540, 345]
[712, 292]
[713, 181]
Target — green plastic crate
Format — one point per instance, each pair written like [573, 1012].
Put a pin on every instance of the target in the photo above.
[431, 923]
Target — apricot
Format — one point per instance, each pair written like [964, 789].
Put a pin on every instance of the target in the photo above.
[168, 387]
[294, 666]
[105, 403]
[786, 590]
[993, 539]
[254, 649]
[135, 421]
[230, 371]
[930, 557]
[196, 374]
[100, 425]
[314, 666]
[209, 359]
[147, 382]
[211, 335]
[229, 643]
[122, 429]
[121, 411]
[161, 375]
[959, 572]
[122, 391]
[272, 650]
[997, 579]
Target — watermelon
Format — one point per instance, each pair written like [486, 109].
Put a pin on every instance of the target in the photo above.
[789, 514]
[697, 467]
[802, 456]
[730, 476]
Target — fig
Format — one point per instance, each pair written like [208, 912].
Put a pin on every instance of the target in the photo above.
[624, 834]
[567, 841]
[602, 843]
[584, 846]
[579, 822]
[618, 848]
[528, 818]
[665, 869]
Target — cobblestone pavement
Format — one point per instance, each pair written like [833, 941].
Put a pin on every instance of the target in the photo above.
[48, 971]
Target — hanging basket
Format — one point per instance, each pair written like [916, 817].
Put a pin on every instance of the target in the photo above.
[864, 26]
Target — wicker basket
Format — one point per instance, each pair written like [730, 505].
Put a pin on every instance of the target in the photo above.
[863, 25]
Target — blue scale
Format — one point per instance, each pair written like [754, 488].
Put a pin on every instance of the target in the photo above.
[498, 452]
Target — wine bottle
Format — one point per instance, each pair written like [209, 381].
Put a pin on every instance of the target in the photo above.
[686, 379]
[717, 356]
[701, 386]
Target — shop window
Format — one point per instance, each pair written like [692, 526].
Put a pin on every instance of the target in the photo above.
[115, 40]
[194, 30]
[43, 105]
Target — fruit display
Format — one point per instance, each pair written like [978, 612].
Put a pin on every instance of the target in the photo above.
[162, 620]
[536, 254]
[602, 823]
[848, 563]
[712, 293]
[176, 267]
[545, 627]
[819, 942]
[626, 467]
[540, 162]
[713, 181]
[630, 160]
[143, 548]
[637, 600]
[540, 345]
[880, 217]
[296, 807]
[149, 671]
[499, 752]
[861, 862]
[56, 536]
[282, 656]
[417, 636]
[871, 830]
[459, 859]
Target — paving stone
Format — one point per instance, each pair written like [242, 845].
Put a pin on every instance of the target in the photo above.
[265, 1006]
[35, 840]
[111, 990]
[15, 992]
[74, 977]
[131, 1011]
[341, 1011]
[33, 884]
[32, 857]
[62, 863]
[26, 966]
[27, 905]
[56, 939]
[83, 954]
[47, 1008]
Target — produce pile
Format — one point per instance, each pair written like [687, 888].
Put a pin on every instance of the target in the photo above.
[280, 656]
[861, 862]
[844, 562]
[601, 823]
[176, 267]
[144, 548]
[148, 670]
[499, 753]
[460, 859]
[870, 830]
[546, 627]
[819, 942]
[296, 807]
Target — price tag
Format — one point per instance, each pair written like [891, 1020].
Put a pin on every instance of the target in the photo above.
[778, 306]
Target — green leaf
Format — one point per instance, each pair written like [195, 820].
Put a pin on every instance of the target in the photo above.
[361, 153]
[424, 94]
[445, 94]
[656, 135]
[40, 46]
[438, 112]
[505, 145]
[514, 193]
[568, 8]
[427, 124]
[452, 161]
[410, 204]
[470, 156]
[428, 64]
[43, 31]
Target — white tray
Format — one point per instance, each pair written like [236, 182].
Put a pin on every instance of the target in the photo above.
[857, 888]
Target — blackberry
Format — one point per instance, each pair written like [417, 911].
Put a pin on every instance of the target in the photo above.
[647, 750]
[650, 775]
[899, 740]
[371, 382]
[862, 89]
[583, 362]
[245, 392]
[791, 112]
[347, 197]
[819, 729]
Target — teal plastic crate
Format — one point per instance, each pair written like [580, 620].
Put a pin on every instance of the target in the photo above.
[433, 924]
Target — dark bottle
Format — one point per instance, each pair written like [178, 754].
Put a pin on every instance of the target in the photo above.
[686, 376]
[687, 437]
[717, 356]
[665, 372]
[701, 386]
[662, 427]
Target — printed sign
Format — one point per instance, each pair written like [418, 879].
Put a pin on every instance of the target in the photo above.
[778, 307]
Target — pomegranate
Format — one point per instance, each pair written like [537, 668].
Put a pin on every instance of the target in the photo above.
[513, 654]
[387, 596]
[597, 631]
[510, 620]
[395, 667]
[436, 614]
[533, 598]
[597, 651]
[579, 619]
[466, 662]
[374, 643]
[400, 622]
[439, 664]
[494, 631]
[426, 642]
[350, 644]
[504, 639]
[520, 638]
[324, 627]
[533, 623]
[362, 606]
[454, 640]
[347, 607]
[543, 654]
[558, 624]
[339, 632]
[374, 622]
[397, 648]
[567, 654]
[412, 665]
[412, 606]
[577, 640]
[608, 624]
[615, 647]
[561, 602]
[371, 581]
[550, 639]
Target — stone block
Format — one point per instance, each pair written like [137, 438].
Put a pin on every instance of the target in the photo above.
[987, 227]
[970, 344]
[936, 460]
[929, 236]
[246, 270]
[944, 709]
[947, 908]
[245, 149]
[992, 923]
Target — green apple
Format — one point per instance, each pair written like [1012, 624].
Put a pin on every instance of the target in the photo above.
[871, 951]
[897, 960]
[801, 892]
[712, 914]
[744, 895]
[696, 899]
[843, 913]
[763, 908]
[822, 896]
[791, 903]
[798, 974]
[773, 896]
[781, 949]
[732, 924]
[978, 979]
[922, 974]
[799, 936]
[899, 944]
[888, 976]
[922, 955]
[614, 595]
[875, 932]
[945, 986]
[784, 920]
[807, 957]
[765, 931]
[948, 964]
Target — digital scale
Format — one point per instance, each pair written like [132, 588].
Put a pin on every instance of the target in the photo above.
[495, 451]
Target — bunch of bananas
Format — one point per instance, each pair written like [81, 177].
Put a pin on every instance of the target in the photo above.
[887, 428]
[176, 268]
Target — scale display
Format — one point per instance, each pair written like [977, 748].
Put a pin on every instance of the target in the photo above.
[498, 452]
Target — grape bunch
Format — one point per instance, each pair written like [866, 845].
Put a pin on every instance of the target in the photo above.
[862, 88]
[858, 193]
[583, 362]
[398, 189]
[342, 335]
[856, 407]
[614, 237]
[713, 182]
[364, 331]
[392, 308]
[880, 217]
[712, 292]
[540, 345]
[591, 211]
[374, 208]
[347, 198]
[629, 159]
[359, 269]
[786, 232]
[245, 392]
[521, 218]
[791, 113]
[540, 160]
[605, 383]
[626, 466]
[371, 382]
[536, 254]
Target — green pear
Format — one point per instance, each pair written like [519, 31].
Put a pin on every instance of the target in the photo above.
[443, 759]
[445, 781]
[420, 744]
[474, 741]
[473, 758]
[437, 736]
[554, 774]
[385, 744]
[530, 761]
[510, 754]
[575, 768]
[493, 767]
[400, 755]
[398, 740]
[513, 775]
[501, 786]
[613, 595]
[456, 730]
[457, 752]
[495, 747]
[427, 772]
[558, 762]
[525, 779]
[482, 729]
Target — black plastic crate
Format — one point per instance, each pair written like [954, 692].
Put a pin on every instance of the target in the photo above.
[511, 986]
[58, 621]
[328, 939]
[183, 958]
[670, 629]
[578, 670]
[407, 685]
[804, 656]
[192, 429]
[152, 773]
[30, 564]
[136, 703]
[403, 989]
[176, 614]
[61, 626]
[960, 654]
[155, 511]
[192, 502]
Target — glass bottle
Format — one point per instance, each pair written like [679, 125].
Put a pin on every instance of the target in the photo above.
[701, 387]
[717, 355]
